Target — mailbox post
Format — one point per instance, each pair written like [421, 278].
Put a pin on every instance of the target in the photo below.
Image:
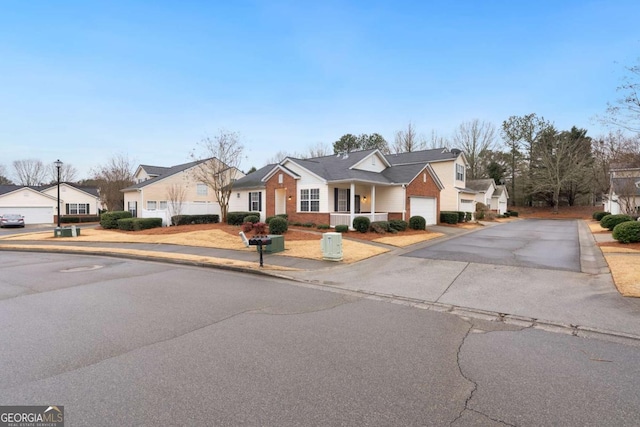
[260, 241]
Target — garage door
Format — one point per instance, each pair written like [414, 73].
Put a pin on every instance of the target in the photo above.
[424, 207]
[31, 214]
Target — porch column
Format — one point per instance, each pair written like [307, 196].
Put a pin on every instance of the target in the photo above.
[373, 202]
[352, 204]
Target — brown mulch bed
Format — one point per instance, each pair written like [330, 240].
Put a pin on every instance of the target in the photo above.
[564, 212]
[294, 233]
[635, 246]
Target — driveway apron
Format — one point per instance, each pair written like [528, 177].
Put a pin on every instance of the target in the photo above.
[532, 243]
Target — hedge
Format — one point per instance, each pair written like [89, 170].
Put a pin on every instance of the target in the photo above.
[417, 223]
[468, 216]
[237, 218]
[342, 228]
[610, 221]
[195, 219]
[461, 216]
[137, 224]
[449, 217]
[109, 220]
[600, 214]
[380, 227]
[512, 213]
[252, 218]
[269, 218]
[361, 224]
[398, 224]
[278, 225]
[627, 232]
[73, 219]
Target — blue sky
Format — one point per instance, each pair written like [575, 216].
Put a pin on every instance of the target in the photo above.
[84, 80]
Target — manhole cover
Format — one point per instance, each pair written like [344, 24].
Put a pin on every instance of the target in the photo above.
[84, 268]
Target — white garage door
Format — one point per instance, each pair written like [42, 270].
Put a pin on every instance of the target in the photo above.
[424, 207]
[31, 214]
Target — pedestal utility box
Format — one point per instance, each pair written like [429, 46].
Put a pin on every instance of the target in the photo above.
[276, 244]
[331, 245]
[72, 231]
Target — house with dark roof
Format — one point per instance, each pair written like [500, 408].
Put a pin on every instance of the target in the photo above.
[484, 189]
[624, 191]
[500, 200]
[39, 204]
[163, 192]
[335, 189]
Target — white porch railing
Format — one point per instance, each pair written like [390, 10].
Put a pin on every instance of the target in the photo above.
[347, 219]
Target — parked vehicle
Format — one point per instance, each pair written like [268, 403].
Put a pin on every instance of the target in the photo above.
[11, 220]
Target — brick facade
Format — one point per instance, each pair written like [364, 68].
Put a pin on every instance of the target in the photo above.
[418, 187]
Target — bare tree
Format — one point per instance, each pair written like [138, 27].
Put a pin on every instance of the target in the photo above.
[112, 177]
[176, 195]
[219, 168]
[407, 140]
[436, 141]
[68, 173]
[558, 162]
[4, 179]
[29, 171]
[625, 112]
[628, 191]
[475, 138]
[320, 149]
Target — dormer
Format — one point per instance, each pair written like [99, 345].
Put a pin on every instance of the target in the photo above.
[374, 162]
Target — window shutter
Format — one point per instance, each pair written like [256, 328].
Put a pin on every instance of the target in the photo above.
[67, 208]
[249, 201]
[87, 211]
[260, 201]
[335, 200]
[349, 200]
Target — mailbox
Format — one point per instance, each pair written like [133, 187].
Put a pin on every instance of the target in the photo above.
[260, 241]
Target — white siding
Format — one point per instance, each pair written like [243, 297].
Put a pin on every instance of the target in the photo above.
[372, 163]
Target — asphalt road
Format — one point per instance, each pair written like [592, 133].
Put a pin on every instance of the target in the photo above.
[121, 342]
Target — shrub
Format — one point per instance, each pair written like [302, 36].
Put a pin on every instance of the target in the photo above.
[251, 218]
[417, 223]
[449, 217]
[137, 224]
[380, 225]
[308, 224]
[461, 216]
[610, 221]
[278, 225]
[269, 218]
[512, 213]
[323, 226]
[398, 225]
[109, 220]
[342, 228]
[72, 219]
[627, 232]
[480, 214]
[600, 214]
[236, 218]
[195, 219]
[260, 228]
[481, 207]
[505, 215]
[468, 216]
[247, 227]
[361, 224]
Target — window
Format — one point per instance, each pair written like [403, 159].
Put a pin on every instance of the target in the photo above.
[460, 172]
[310, 200]
[77, 208]
[202, 189]
[254, 202]
[151, 205]
[163, 204]
[343, 200]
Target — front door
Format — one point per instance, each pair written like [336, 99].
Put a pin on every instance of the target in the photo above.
[281, 201]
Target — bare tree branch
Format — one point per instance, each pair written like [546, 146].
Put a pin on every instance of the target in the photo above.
[407, 140]
[29, 172]
[475, 138]
[112, 177]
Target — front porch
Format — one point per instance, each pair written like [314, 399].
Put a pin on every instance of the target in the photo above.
[347, 218]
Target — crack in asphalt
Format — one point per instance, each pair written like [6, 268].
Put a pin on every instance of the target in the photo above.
[345, 299]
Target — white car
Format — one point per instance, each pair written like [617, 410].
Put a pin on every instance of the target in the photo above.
[11, 220]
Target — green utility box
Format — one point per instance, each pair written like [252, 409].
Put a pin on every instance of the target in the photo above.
[276, 245]
[72, 231]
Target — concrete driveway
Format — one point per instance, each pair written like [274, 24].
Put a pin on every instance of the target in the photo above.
[545, 273]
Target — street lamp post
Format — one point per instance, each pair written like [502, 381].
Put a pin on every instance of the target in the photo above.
[58, 165]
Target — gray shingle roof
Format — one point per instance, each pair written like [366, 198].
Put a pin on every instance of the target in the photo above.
[4, 189]
[626, 186]
[423, 156]
[168, 172]
[155, 170]
[254, 179]
[479, 184]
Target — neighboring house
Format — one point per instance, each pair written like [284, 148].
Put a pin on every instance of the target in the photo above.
[500, 200]
[335, 189]
[484, 190]
[163, 192]
[624, 191]
[39, 204]
[75, 200]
